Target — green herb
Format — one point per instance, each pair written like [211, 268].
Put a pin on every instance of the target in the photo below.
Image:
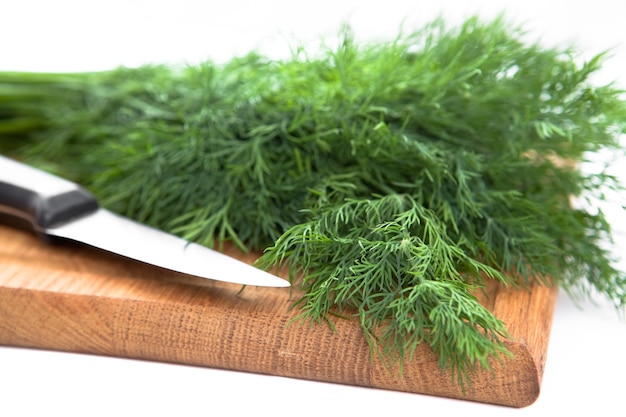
[392, 177]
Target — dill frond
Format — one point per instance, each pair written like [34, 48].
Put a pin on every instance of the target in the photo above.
[392, 177]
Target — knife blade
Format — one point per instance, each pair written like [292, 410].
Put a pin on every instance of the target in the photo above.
[58, 207]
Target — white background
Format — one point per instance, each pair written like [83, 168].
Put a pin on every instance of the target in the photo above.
[586, 363]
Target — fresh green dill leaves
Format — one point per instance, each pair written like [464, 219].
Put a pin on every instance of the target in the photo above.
[392, 178]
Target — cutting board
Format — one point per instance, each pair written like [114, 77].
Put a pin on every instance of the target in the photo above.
[74, 298]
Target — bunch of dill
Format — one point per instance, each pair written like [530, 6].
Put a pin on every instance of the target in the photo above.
[392, 178]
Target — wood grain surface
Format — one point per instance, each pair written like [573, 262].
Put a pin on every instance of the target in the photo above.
[73, 298]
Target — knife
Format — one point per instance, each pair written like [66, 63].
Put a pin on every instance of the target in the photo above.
[60, 208]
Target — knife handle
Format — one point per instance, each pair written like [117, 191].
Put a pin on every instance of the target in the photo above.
[43, 199]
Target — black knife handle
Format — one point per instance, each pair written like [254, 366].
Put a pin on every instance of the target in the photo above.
[42, 198]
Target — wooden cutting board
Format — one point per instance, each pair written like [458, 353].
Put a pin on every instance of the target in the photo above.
[77, 299]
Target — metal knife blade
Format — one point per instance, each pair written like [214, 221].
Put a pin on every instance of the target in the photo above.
[57, 207]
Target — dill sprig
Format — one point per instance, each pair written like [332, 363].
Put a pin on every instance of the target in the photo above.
[391, 178]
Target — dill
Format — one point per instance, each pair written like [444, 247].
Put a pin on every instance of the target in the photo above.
[391, 178]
